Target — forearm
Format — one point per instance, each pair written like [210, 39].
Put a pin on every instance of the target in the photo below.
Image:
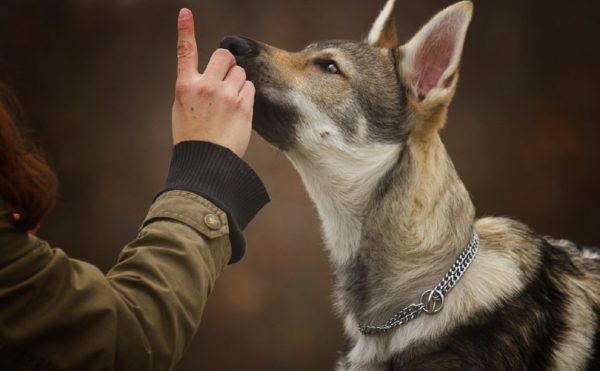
[164, 277]
[141, 315]
[219, 175]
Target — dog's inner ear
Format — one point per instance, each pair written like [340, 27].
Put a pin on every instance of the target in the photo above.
[431, 58]
[383, 34]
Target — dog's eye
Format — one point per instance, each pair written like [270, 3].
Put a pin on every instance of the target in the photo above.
[328, 66]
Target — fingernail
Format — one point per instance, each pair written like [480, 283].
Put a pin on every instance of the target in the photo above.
[184, 13]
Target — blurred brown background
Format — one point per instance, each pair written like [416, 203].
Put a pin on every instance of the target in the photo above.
[96, 80]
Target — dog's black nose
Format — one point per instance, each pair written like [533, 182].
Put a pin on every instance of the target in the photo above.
[240, 46]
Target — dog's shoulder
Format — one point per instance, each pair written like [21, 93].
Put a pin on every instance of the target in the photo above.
[550, 322]
[514, 240]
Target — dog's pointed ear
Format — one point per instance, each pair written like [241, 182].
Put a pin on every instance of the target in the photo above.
[383, 34]
[431, 58]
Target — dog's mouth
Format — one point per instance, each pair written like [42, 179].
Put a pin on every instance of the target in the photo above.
[274, 117]
[275, 122]
[251, 55]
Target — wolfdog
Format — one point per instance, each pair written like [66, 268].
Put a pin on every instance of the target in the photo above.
[420, 283]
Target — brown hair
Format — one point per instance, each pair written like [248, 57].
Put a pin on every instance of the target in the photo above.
[27, 184]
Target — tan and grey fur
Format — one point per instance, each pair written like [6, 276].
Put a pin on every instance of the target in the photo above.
[360, 121]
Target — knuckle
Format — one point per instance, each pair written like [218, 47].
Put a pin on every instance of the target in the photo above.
[182, 88]
[206, 89]
[239, 103]
[240, 71]
[185, 49]
[230, 99]
[251, 88]
[244, 106]
[248, 91]
[224, 55]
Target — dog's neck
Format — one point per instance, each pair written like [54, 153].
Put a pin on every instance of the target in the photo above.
[340, 184]
[394, 220]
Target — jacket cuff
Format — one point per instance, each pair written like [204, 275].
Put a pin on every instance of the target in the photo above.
[216, 173]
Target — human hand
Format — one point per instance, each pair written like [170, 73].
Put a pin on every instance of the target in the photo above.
[215, 106]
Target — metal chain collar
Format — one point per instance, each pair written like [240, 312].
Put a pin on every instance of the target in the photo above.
[432, 300]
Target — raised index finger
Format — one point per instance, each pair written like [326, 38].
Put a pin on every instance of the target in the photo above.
[187, 51]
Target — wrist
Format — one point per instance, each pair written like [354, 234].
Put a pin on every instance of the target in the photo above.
[216, 173]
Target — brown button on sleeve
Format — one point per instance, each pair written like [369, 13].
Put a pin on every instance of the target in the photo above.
[208, 220]
[212, 221]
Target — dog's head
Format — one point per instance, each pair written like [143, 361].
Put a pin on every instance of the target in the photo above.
[339, 94]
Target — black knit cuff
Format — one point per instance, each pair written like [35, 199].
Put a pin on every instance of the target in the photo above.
[216, 173]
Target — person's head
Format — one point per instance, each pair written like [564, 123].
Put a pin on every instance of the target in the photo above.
[27, 184]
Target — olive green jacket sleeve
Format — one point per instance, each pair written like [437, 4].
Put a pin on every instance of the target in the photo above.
[61, 313]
